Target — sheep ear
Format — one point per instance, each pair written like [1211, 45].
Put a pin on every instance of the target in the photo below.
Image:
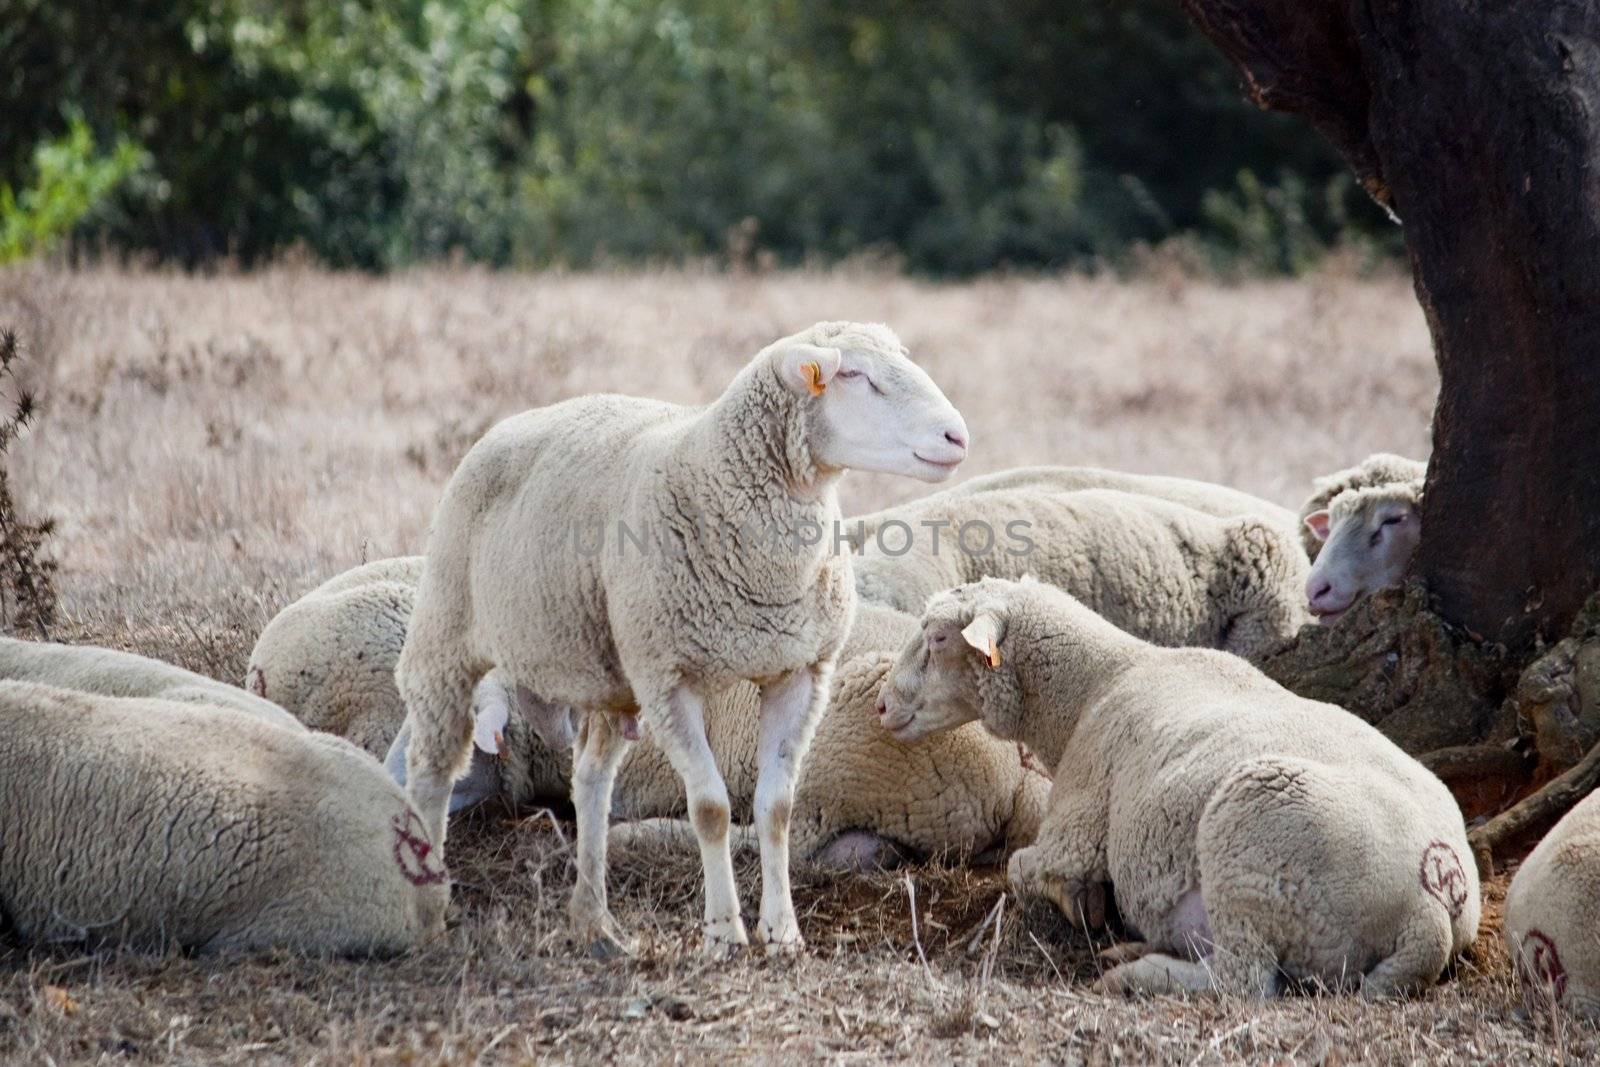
[983, 634]
[806, 370]
[1317, 523]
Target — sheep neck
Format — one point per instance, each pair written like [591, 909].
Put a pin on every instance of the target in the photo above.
[751, 445]
[1064, 668]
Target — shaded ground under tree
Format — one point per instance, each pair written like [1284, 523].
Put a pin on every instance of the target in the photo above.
[1474, 124]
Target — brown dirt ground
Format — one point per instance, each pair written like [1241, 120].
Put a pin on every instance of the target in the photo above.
[214, 446]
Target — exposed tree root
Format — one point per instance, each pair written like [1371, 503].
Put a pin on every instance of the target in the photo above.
[1396, 664]
[1534, 812]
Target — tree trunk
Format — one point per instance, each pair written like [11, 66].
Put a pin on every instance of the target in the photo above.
[1478, 123]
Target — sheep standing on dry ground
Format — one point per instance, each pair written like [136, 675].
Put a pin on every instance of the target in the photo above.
[1162, 571]
[1552, 918]
[1249, 833]
[609, 551]
[88, 669]
[157, 823]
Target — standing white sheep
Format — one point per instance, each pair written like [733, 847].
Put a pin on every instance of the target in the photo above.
[1249, 833]
[1552, 924]
[1162, 571]
[89, 669]
[157, 823]
[609, 551]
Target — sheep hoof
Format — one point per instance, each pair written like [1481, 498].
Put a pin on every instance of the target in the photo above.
[603, 939]
[789, 946]
[724, 938]
[1126, 952]
[1110, 984]
[610, 947]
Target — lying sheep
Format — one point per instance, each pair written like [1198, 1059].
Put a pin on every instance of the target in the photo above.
[1162, 571]
[705, 573]
[1249, 833]
[88, 669]
[1380, 468]
[329, 658]
[1552, 917]
[1219, 500]
[1370, 536]
[157, 823]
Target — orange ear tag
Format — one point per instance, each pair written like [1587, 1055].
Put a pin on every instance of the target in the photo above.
[814, 378]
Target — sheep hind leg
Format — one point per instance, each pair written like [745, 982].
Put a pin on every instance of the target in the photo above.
[790, 708]
[439, 722]
[681, 734]
[600, 752]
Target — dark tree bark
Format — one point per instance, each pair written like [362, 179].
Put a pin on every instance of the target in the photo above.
[1478, 123]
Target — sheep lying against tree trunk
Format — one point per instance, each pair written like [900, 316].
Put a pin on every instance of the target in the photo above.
[1249, 833]
[1162, 571]
[1221, 501]
[154, 823]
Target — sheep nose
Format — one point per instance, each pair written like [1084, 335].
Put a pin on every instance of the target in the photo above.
[883, 707]
[1316, 591]
[957, 438]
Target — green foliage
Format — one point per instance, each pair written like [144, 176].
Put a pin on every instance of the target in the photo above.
[954, 135]
[70, 181]
[1285, 228]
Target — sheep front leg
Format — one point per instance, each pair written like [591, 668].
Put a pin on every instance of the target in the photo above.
[1067, 863]
[678, 728]
[600, 752]
[790, 708]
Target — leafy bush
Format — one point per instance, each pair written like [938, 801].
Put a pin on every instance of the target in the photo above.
[70, 181]
[952, 135]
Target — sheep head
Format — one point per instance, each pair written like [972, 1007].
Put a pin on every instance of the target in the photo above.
[868, 406]
[938, 681]
[1369, 536]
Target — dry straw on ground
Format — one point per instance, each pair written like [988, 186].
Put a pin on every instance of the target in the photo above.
[211, 448]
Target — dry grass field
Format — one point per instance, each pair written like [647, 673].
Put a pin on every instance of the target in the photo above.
[212, 447]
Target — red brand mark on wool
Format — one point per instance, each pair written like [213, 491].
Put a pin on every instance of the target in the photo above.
[1028, 762]
[1539, 964]
[411, 851]
[1443, 877]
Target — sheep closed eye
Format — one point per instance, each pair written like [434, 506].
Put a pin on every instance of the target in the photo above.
[856, 374]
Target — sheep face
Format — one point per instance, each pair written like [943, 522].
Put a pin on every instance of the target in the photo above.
[934, 685]
[872, 409]
[1369, 537]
